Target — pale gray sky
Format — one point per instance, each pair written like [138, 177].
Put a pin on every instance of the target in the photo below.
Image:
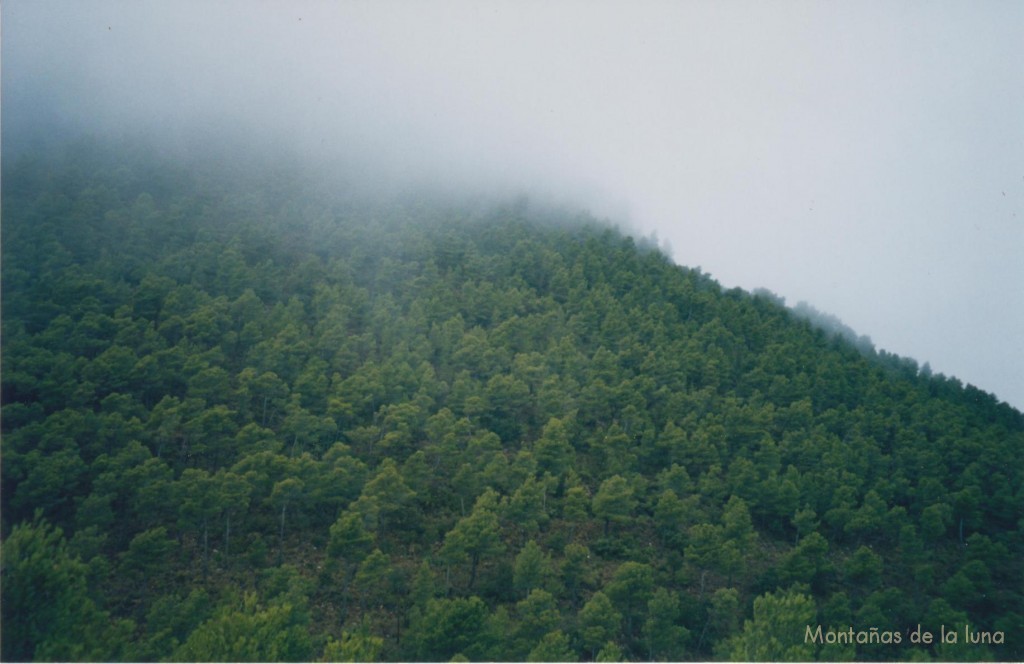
[867, 157]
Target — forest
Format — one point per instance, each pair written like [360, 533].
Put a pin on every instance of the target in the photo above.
[249, 417]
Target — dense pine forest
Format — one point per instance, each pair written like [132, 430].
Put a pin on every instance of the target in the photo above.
[248, 417]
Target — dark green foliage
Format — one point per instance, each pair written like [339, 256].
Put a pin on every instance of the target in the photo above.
[665, 639]
[280, 423]
[448, 627]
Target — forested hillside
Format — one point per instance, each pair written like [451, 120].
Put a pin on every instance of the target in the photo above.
[246, 419]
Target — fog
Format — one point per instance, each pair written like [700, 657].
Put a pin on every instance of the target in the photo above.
[865, 157]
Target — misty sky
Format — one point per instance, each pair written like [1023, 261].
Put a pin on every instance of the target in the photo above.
[867, 157]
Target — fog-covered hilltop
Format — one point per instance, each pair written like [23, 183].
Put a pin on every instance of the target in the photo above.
[250, 416]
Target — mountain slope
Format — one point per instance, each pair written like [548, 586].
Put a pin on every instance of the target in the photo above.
[273, 423]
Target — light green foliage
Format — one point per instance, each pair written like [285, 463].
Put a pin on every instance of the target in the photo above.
[249, 633]
[617, 450]
[869, 521]
[864, 568]
[286, 584]
[614, 501]
[353, 647]
[527, 507]
[553, 647]
[424, 586]
[670, 514]
[805, 521]
[777, 630]
[475, 535]
[935, 519]
[806, 560]
[385, 497]
[532, 568]
[724, 614]
[47, 612]
[630, 589]
[598, 622]
[574, 509]
[372, 578]
[496, 641]
[171, 619]
[349, 543]
[148, 551]
[553, 450]
[737, 525]
[611, 652]
[537, 615]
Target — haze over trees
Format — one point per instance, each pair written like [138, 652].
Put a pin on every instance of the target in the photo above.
[245, 419]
